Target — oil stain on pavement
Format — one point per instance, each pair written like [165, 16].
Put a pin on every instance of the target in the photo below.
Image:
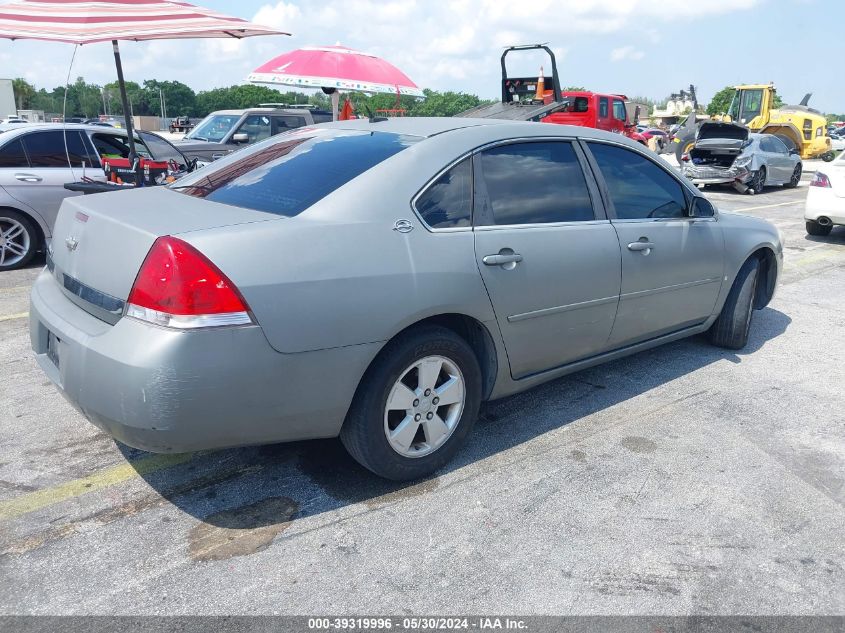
[241, 531]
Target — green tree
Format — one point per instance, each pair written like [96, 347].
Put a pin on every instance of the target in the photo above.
[721, 101]
[24, 92]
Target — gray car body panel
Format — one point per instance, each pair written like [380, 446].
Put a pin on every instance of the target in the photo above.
[330, 287]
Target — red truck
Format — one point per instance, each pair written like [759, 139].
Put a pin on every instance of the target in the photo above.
[520, 102]
[591, 109]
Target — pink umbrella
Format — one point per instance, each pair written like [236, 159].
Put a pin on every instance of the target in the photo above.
[87, 21]
[334, 68]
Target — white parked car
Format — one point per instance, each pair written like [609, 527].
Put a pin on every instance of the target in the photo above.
[826, 198]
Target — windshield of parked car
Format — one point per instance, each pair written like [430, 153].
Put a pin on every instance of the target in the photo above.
[289, 172]
[213, 128]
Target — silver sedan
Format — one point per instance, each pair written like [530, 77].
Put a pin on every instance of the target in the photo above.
[378, 280]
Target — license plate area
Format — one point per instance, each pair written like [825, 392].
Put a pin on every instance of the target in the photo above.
[53, 348]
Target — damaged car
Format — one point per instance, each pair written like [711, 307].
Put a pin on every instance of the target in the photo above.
[726, 153]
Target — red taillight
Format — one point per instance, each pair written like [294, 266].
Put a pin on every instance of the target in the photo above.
[820, 180]
[685, 158]
[180, 287]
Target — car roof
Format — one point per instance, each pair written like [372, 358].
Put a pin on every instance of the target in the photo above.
[29, 127]
[426, 127]
[260, 111]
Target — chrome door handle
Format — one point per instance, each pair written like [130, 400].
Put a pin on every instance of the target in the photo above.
[27, 178]
[640, 246]
[498, 260]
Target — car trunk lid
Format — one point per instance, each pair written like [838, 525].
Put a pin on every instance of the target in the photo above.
[718, 130]
[100, 241]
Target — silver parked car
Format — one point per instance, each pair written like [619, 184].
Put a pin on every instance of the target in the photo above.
[35, 164]
[726, 153]
[378, 280]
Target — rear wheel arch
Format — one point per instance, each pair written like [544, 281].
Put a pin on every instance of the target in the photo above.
[39, 230]
[470, 329]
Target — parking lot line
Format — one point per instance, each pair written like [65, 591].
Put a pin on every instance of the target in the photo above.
[39, 499]
[12, 317]
[765, 206]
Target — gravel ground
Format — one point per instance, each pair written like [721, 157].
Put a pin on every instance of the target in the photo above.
[686, 479]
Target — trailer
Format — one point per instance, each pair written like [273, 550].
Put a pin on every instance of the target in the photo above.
[532, 99]
[519, 102]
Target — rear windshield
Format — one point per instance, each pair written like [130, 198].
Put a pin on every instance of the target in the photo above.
[288, 173]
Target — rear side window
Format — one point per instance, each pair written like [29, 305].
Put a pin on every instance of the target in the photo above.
[286, 123]
[287, 174]
[638, 188]
[47, 149]
[447, 203]
[12, 155]
[534, 183]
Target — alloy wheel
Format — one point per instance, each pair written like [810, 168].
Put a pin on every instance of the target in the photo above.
[796, 176]
[14, 241]
[424, 406]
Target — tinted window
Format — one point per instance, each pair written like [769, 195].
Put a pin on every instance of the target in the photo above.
[533, 183]
[618, 109]
[285, 123]
[603, 107]
[256, 127]
[47, 149]
[161, 149]
[287, 174]
[115, 146]
[638, 187]
[447, 202]
[12, 155]
[778, 145]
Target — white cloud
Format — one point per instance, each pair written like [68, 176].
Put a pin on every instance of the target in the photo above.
[625, 53]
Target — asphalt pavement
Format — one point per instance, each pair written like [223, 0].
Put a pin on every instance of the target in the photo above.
[686, 479]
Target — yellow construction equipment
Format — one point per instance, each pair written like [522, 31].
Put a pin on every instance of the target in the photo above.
[799, 126]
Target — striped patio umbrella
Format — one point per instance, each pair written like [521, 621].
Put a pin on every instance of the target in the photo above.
[88, 21]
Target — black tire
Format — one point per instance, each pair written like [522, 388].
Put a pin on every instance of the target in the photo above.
[796, 177]
[684, 147]
[828, 156]
[31, 240]
[757, 182]
[363, 432]
[731, 328]
[816, 229]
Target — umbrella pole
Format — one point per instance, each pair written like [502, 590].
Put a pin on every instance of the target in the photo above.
[335, 104]
[126, 113]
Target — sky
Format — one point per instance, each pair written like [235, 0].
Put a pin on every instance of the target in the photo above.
[649, 48]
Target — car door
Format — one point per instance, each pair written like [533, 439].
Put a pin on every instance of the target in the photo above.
[547, 254]
[779, 158]
[672, 264]
[620, 116]
[41, 184]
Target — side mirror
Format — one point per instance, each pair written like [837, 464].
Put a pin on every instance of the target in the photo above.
[794, 151]
[702, 208]
[636, 115]
[240, 137]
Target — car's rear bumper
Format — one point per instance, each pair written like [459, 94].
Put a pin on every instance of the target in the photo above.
[168, 391]
[716, 175]
[823, 202]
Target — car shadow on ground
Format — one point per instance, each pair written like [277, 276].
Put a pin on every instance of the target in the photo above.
[257, 487]
[836, 236]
